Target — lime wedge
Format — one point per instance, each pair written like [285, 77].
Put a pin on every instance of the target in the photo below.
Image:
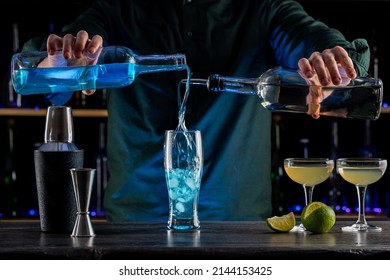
[282, 223]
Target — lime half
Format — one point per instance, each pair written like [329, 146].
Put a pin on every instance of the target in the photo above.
[282, 223]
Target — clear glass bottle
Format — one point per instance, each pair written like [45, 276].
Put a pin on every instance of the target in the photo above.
[109, 67]
[285, 90]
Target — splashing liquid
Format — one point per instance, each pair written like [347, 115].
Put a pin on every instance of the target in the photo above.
[182, 103]
[187, 147]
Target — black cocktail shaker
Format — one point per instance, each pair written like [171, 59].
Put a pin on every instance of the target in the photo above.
[53, 160]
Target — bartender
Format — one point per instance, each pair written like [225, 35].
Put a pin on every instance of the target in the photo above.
[232, 38]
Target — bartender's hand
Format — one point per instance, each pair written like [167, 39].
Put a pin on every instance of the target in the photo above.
[79, 47]
[326, 68]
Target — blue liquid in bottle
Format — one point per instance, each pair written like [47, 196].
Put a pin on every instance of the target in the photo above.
[61, 79]
[115, 67]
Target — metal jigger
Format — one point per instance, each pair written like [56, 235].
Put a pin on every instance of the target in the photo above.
[82, 179]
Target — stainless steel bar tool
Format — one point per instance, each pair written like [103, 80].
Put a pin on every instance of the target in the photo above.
[82, 179]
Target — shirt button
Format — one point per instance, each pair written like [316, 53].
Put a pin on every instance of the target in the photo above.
[189, 34]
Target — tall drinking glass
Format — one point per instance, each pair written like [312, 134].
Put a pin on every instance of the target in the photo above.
[308, 172]
[183, 162]
[361, 172]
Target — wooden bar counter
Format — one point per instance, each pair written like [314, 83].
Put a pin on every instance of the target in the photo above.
[215, 240]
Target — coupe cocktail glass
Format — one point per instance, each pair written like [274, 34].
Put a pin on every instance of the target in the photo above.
[183, 162]
[308, 172]
[361, 172]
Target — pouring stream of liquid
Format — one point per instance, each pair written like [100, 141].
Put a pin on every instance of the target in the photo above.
[182, 103]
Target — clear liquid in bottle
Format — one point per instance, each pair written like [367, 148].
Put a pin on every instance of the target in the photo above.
[285, 90]
[360, 99]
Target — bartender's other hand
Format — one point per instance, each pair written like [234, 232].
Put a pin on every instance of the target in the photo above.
[329, 67]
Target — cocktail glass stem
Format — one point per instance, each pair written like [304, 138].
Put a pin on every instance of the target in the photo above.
[308, 194]
[361, 192]
[361, 223]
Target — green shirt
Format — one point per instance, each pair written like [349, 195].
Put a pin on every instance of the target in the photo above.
[233, 38]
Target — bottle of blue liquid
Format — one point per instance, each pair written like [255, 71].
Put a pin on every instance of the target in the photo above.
[109, 67]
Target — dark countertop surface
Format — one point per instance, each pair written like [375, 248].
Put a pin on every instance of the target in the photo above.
[215, 240]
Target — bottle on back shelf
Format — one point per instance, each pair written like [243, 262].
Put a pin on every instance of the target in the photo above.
[100, 161]
[277, 170]
[9, 185]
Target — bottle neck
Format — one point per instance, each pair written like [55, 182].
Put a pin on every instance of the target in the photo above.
[159, 63]
[217, 83]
